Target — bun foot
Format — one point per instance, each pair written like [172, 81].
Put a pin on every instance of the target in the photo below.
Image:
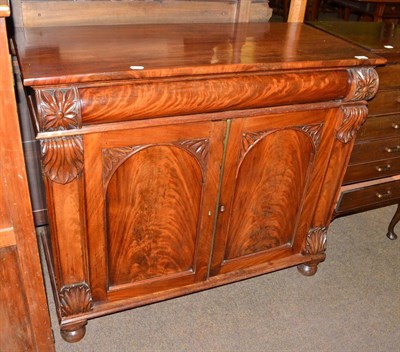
[73, 333]
[307, 269]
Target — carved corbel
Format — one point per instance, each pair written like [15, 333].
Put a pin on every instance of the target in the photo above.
[353, 119]
[62, 158]
[364, 83]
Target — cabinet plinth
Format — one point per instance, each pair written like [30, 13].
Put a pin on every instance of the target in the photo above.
[214, 163]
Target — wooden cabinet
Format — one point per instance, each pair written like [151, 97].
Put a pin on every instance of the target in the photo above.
[372, 178]
[24, 317]
[197, 156]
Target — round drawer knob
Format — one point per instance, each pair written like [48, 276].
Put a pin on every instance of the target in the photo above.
[396, 126]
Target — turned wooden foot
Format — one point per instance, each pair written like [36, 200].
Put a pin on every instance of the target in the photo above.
[73, 333]
[307, 269]
[396, 218]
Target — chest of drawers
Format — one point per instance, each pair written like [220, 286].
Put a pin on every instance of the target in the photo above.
[372, 179]
[177, 158]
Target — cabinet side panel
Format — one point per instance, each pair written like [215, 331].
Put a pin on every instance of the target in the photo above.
[269, 191]
[153, 204]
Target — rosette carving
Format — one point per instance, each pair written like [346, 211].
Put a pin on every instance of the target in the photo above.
[365, 83]
[62, 158]
[75, 299]
[59, 109]
[316, 241]
[354, 117]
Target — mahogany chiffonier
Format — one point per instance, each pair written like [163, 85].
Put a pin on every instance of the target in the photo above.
[372, 179]
[182, 157]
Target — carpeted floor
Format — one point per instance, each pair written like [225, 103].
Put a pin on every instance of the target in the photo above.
[352, 304]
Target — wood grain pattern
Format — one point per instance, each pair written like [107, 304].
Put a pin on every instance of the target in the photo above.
[372, 170]
[380, 127]
[15, 330]
[66, 13]
[152, 220]
[177, 50]
[169, 98]
[385, 102]
[24, 318]
[235, 158]
[374, 156]
[379, 149]
[269, 191]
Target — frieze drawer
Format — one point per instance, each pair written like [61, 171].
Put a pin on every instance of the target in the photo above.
[372, 170]
[363, 197]
[379, 127]
[375, 150]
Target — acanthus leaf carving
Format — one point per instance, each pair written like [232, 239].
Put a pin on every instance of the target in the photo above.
[62, 158]
[75, 299]
[59, 109]
[316, 241]
[365, 83]
[354, 117]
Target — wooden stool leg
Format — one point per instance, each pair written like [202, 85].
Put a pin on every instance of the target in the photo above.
[396, 218]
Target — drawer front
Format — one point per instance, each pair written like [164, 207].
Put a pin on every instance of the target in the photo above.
[363, 197]
[380, 127]
[389, 76]
[385, 102]
[376, 150]
[373, 170]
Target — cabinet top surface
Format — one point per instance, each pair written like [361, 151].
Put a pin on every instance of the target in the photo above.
[378, 37]
[66, 55]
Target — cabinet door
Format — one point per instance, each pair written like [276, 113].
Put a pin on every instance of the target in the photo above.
[273, 174]
[151, 195]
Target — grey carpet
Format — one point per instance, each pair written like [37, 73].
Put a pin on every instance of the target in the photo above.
[351, 304]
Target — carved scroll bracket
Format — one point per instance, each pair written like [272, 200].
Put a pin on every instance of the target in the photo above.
[316, 241]
[353, 119]
[62, 158]
[75, 299]
[59, 109]
[364, 84]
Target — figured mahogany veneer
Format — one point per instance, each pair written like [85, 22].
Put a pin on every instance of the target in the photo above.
[218, 160]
